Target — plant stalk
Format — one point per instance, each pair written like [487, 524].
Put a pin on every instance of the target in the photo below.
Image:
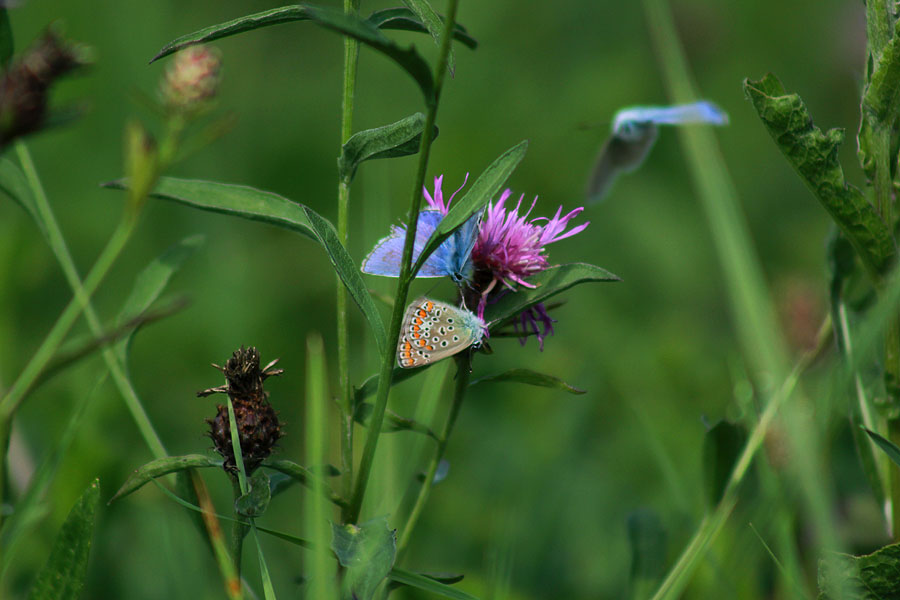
[463, 374]
[351, 62]
[351, 515]
[238, 529]
[61, 250]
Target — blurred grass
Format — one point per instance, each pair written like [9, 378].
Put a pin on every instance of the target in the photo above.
[540, 482]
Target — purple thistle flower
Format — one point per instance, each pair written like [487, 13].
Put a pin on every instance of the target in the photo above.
[436, 202]
[511, 247]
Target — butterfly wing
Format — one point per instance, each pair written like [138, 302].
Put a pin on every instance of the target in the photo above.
[385, 257]
[629, 121]
[433, 330]
[460, 260]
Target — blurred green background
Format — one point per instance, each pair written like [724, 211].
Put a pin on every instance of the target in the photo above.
[540, 483]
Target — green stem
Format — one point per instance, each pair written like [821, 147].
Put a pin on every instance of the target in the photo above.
[351, 62]
[61, 250]
[387, 363]
[463, 375]
[55, 337]
[238, 529]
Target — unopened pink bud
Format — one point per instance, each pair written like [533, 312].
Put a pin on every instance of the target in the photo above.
[192, 78]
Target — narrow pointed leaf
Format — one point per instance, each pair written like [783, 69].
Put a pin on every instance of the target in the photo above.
[425, 583]
[163, 466]
[257, 205]
[335, 20]
[302, 475]
[549, 283]
[814, 155]
[367, 552]
[869, 577]
[433, 23]
[405, 20]
[151, 282]
[392, 421]
[62, 578]
[529, 377]
[370, 385]
[14, 185]
[866, 452]
[397, 139]
[485, 187]
[889, 448]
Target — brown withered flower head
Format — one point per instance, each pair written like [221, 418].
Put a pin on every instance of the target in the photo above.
[257, 422]
[25, 85]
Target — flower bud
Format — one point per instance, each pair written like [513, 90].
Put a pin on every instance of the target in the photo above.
[257, 422]
[192, 79]
[25, 85]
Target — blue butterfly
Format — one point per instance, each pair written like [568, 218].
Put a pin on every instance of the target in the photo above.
[634, 131]
[452, 259]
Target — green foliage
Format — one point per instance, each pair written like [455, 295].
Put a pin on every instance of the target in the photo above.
[367, 553]
[7, 45]
[886, 445]
[392, 423]
[814, 155]
[433, 24]
[63, 576]
[14, 185]
[365, 32]
[882, 95]
[397, 139]
[429, 584]
[530, 377]
[647, 538]
[869, 577]
[722, 446]
[547, 284]
[257, 205]
[475, 199]
[163, 466]
[404, 19]
[255, 502]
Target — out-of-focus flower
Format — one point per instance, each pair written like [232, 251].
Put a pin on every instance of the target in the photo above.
[192, 79]
[24, 86]
[257, 422]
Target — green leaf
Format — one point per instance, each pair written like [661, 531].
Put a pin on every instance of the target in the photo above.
[548, 283]
[163, 466]
[151, 282]
[529, 377]
[367, 552]
[302, 475]
[397, 139]
[404, 19]
[255, 502]
[6, 39]
[370, 385]
[256, 205]
[433, 23]
[869, 577]
[814, 155]
[485, 187]
[392, 423]
[428, 584]
[63, 576]
[184, 487]
[722, 446]
[886, 445]
[15, 186]
[335, 20]
[882, 96]
[647, 539]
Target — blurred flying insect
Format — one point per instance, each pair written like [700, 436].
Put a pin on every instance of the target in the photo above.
[634, 130]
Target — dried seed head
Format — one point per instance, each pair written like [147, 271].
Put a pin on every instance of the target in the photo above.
[24, 86]
[257, 422]
[192, 79]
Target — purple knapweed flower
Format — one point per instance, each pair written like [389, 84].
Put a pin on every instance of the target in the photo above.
[509, 248]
